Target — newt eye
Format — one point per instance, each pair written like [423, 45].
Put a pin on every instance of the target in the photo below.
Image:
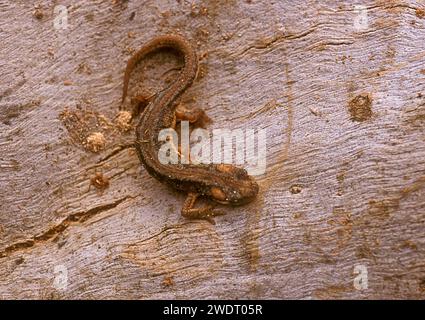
[238, 173]
[226, 168]
[218, 194]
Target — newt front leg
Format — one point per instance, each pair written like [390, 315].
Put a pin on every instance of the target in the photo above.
[206, 212]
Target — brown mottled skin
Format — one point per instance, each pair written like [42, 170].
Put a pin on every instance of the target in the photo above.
[223, 183]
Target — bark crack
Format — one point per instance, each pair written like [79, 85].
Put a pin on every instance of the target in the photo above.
[75, 218]
[115, 152]
[277, 38]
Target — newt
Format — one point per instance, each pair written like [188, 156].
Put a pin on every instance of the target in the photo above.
[223, 183]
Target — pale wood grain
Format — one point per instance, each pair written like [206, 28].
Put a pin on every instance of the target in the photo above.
[345, 182]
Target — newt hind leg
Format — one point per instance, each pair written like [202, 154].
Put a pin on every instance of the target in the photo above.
[140, 102]
[195, 116]
[205, 213]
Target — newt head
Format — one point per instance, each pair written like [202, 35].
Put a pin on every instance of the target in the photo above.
[240, 189]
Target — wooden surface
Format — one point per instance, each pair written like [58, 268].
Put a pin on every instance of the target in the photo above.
[340, 90]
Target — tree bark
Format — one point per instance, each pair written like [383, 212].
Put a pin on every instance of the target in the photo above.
[339, 88]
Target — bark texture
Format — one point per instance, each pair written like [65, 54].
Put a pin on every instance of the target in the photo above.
[340, 89]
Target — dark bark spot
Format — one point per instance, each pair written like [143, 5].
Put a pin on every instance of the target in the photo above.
[360, 108]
